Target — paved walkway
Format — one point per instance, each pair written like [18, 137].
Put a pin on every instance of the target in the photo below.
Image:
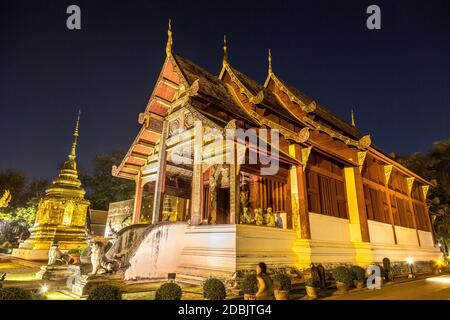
[434, 288]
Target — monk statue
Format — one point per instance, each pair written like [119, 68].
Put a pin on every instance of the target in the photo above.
[259, 219]
[270, 218]
[245, 218]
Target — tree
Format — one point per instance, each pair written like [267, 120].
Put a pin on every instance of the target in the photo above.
[102, 188]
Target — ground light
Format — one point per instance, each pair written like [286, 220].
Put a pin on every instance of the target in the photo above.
[410, 262]
[44, 289]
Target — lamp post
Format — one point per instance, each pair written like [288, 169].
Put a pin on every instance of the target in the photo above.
[410, 262]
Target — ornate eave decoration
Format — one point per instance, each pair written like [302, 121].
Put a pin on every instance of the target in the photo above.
[425, 189]
[305, 153]
[409, 182]
[387, 172]
[361, 158]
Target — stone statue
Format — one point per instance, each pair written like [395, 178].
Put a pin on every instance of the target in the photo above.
[96, 257]
[57, 256]
[100, 263]
[259, 219]
[271, 218]
[245, 218]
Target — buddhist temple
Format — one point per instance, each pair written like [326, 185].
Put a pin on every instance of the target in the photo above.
[334, 198]
[61, 213]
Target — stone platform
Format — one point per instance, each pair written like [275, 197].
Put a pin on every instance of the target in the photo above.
[30, 254]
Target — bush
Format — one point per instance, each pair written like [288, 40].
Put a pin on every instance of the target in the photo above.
[15, 294]
[168, 291]
[281, 281]
[342, 274]
[214, 289]
[105, 292]
[358, 273]
[249, 284]
[311, 282]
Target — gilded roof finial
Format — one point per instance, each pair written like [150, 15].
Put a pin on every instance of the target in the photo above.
[72, 154]
[225, 48]
[169, 39]
[270, 62]
[353, 119]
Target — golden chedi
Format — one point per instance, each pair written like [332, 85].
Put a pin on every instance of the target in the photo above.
[61, 214]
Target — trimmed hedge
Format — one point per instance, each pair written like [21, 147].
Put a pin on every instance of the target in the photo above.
[105, 292]
[214, 289]
[15, 294]
[169, 291]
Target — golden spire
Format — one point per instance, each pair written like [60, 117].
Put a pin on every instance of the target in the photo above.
[353, 119]
[169, 39]
[270, 62]
[72, 154]
[225, 48]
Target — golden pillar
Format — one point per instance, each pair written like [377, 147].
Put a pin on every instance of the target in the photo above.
[61, 214]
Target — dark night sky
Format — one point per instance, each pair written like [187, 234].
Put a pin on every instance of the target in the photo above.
[396, 79]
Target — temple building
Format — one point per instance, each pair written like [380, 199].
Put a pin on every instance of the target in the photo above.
[61, 213]
[335, 197]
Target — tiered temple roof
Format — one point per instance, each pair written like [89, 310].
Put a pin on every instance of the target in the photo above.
[275, 104]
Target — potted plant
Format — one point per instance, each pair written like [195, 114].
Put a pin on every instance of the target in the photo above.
[214, 289]
[312, 287]
[249, 285]
[359, 276]
[75, 254]
[282, 286]
[343, 278]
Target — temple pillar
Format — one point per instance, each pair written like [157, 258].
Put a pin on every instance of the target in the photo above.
[299, 210]
[160, 175]
[359, 228]
[137, 198]
[197, 176]
[299, 196]
[234, 188]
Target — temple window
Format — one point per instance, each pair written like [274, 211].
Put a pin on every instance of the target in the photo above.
[326, 187]
[376, 204]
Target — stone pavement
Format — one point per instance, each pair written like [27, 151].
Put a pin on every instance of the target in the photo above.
[433, 288]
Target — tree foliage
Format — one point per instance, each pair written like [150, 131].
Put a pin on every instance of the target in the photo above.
[102, 188]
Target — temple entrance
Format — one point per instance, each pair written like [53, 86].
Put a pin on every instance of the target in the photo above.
[223, 206]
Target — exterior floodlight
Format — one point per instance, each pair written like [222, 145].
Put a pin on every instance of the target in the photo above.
[44, 289]
[410, 262]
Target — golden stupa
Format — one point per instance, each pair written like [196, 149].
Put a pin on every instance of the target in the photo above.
[61, 214]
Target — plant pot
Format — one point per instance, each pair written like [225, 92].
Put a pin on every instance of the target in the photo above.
[359, 284]
[248, 296]
[342, 287]
[311, 292]
[281, 294]
[75, 258]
